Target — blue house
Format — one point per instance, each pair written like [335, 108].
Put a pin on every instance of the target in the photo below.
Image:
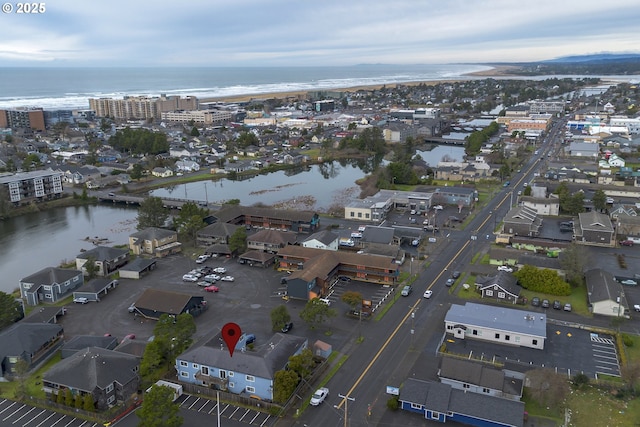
[50, 285]
[248, 372]
[440, 402]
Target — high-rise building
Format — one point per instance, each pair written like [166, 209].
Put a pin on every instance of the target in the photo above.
[22, 118]
[38, 185]
[140, 107]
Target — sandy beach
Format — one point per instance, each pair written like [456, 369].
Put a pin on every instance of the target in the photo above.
[496, 71]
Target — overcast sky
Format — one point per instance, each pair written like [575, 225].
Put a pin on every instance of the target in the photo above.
[321, 32]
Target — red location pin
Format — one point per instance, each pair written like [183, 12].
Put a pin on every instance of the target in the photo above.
[231, 334]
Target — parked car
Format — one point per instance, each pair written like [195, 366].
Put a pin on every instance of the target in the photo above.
[455, 274]
[326, 301]
[212, 288]
[567, 307]
[132, 308]
[250, 339]
[626, 243]
[201, 259]
[629, 282]
[81, 300]
[438, 207]
[319, 396]
[450, 282]
[227, 279]
[211, 278]
[287, 327]
[220, 270]
[505, 268]
[557, 305]
[190, 278]
[130, 337]
[356, 235]
[636, 307]
[428, 293]
[545, 303]
[344, 278]
[362, 228]
[535, 301]
[406, 291]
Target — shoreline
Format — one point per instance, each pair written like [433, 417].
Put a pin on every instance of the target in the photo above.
[495, 71]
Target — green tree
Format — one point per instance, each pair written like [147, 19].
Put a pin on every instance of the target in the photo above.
[77, 402]
[284, 384]
[600, 200]
[527, 191]
[68, 397]
[190, 220]
[238, 241]
[352, 298]
[194, 131]
[302, 363]
[279, 317]
[246, 139]
[137, 171]
[153, 359]
[152, 213]
[158, 409]
[91, 268]
[315, 312]
[542, 280]
[21, 371]
[574, 261]
[140, 141]
[10, 310]
[87, 403]
[60, 397]
[32, 161]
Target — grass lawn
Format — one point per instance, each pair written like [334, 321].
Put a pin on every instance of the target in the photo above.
[33, 383]
[468, 293]
[596, 407]
[577, 299]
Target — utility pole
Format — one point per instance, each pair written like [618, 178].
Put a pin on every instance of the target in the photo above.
[345, 399]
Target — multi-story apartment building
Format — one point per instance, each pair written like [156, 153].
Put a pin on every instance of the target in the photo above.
[22, 118]
[205, 117]
[140, 107]
[25, 187]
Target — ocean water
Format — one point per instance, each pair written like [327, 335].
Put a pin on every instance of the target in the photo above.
[70, 88]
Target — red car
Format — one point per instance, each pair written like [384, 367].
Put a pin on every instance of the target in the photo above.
[626, 243]
[212, 288]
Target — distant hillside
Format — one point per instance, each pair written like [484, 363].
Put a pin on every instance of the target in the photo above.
[597, 64]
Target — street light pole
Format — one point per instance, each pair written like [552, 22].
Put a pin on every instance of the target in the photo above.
[345, 400]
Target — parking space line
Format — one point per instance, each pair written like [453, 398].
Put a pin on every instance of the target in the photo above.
[234, 412]
[17, 410]
[191, 406]
[254, 418]
[8, 407]
[25, 414]
[245, 414]
[225, 408]
[46, 419]
[605, 357]
[205, 404]
[69, 423]
[214, 407]
[265, 420]
[59, 419]
[33, 419]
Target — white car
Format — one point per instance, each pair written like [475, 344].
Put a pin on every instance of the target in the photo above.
[227, 279]
[362, 228]
[438, 207]
[211, 278]
[190, 278]
[428, 293]
[81, 300]
[505, 268]
[201, 259]
[220, 270]
[319, 396]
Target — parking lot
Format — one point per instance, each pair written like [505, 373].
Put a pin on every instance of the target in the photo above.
[15, 413]
[567, 350]
[227, 412]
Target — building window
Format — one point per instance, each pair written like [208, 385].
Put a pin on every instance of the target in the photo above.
[474, 332]
[534, 342]
[48, 296]
[184, 374]
[230, 373]
[466, 386]
[251, 389]
[507, 337]
[501, 295]
[231, 385]
[416, 406]
[366, 215]
[109, 388]
[195, 366]
[435, 415]
[204, 370]
[111, 399]
[183, 363]
[222, 374]
[517, 339]
[352, 214]
[359, 214]
[250, 378]
[485, 390]
[489, 292]
[497, 336]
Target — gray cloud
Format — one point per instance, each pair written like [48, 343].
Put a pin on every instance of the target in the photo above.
[331, 32]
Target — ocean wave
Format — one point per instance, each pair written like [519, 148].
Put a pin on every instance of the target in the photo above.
[79, 99]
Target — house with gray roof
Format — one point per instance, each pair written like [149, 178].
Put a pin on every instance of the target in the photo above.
[324, 239]
[109, 376]
[105, 258]
[476, 377]
[499, 325]
[503, 287]
[440, 402]
[270, 240]
[81, 342]
[247, 372]
[157, 242]
[93, 289]
[606, 295]
[594, 228]
[218, 232]
[32, 342]
[153, 303]
[522, 221]
[50, 285]
[584, 149]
